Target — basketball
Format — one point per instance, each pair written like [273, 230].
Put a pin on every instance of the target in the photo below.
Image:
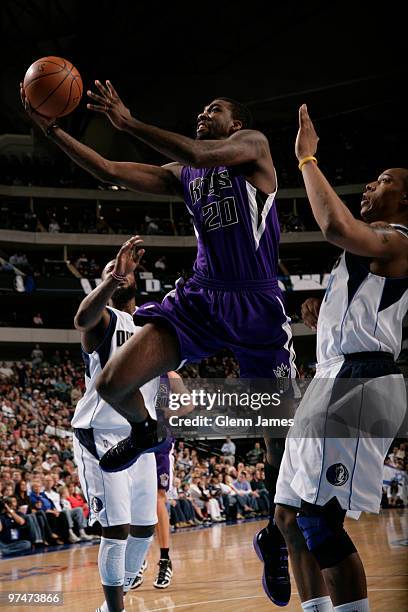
[53, 86]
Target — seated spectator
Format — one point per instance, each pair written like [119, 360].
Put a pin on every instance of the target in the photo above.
[54, 226]
[5, 371]
[261, 492]
[245, 493]
[211, 502]
[11, 522]
[57, 521]
[198, 498]
[181, 509]
[395, 493]
[255, 455]
[76, 499]
[228, 450]
[32, 528]
[76, 514]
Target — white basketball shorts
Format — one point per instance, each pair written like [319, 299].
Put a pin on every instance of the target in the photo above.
[120, 498]
[344, 425]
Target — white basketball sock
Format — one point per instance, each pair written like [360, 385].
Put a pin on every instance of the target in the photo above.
[361, 605]
[111, 561]
[104, 608]
[136, 551]
[319, 604]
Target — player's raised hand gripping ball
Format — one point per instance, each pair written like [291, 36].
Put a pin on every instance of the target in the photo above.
[53, 87]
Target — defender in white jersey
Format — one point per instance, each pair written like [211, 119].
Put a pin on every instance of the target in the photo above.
[124, 503]
[359, 331]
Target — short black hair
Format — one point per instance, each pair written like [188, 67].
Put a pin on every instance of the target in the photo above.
[240, 112]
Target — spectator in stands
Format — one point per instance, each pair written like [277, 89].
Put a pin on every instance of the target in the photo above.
[228, 450]
[394, 494]
[76, 394]
[255, 455]
[5, 371]
[38, 320]
[20, 260]
[31, 529]
[151, 225]
[57, 521]
[180, 515]
[54, 226]
[11, 523]
[76, 514]
[76, 499]
[37, 356]
[245, 492]
[82, 264]
[198, 497]
[260, 491]
[160, 264]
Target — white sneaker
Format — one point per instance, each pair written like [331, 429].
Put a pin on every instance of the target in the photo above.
[73, 539]
[84, 536]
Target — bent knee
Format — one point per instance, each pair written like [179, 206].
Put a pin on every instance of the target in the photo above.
[109, 388]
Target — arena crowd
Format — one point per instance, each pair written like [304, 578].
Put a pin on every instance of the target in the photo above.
[41, 502]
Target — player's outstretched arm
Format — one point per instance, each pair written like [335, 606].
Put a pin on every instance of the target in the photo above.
[244, 146]
[92, 318]
[377, 240]
[143, 178]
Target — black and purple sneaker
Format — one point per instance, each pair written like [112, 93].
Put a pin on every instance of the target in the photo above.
[273, 553]
[144, 438]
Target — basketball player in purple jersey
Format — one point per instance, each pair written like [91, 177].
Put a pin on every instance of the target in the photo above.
[228, 181]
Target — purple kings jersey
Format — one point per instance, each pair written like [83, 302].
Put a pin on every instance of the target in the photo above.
[236, 225]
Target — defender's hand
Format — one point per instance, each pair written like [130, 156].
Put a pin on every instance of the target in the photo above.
[129, 256]
[108, 103]
[306, 139]
[310, 312]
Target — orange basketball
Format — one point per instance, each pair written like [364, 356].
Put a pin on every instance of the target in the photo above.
[53, 86]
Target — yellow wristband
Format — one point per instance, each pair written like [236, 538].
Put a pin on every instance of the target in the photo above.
[305, 160]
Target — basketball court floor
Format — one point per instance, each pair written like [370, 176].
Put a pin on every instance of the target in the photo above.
[215, 570]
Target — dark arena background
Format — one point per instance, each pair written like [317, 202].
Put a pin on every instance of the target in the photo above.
[59, 226]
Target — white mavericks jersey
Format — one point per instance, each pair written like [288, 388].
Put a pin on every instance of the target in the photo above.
[92, 410]
[361, 311]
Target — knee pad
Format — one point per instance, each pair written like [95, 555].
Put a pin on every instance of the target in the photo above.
[111, 561]
[142, 531]
[326, 538]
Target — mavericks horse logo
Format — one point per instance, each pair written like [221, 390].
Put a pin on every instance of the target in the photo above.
[337, 474]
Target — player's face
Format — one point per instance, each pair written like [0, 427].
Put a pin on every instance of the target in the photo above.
[215, 121]
[385, 195]
[126, 289]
